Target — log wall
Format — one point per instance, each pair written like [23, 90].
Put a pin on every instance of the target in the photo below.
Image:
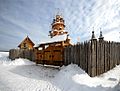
[95, 57]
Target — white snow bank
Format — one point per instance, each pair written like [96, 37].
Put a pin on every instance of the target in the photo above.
[72, 78]
[6, 61]
[112, 74]
[109, 79]
[4, 57]
[64, 79]
[40, 78]
[21, 61]
[16, 62]
[93, 82]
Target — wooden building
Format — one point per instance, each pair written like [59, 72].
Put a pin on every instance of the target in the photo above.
[51, 52]
[26, 44]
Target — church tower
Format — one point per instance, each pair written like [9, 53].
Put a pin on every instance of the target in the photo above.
[58, 26]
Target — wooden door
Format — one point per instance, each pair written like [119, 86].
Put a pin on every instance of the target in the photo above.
[47, 56]
[57, 55]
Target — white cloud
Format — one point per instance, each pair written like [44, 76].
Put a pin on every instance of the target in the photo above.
[35, 17]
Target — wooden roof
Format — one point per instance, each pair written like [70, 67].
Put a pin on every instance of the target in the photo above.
[57, 38]
[28, 39]
[49, 43]
[54, 40]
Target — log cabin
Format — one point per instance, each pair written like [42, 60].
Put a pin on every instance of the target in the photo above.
[26, 44]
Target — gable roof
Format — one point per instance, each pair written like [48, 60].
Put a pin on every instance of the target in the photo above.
[57, 38]
[28, 39]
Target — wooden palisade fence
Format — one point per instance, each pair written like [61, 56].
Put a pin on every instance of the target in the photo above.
[22, 53]
[95, 57]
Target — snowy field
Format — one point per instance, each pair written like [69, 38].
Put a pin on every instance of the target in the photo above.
[24, 75]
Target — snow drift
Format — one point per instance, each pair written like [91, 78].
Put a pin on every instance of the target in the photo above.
[24, 75]
[6, 61]
[20, 61]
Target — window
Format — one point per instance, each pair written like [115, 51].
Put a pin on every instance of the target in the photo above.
[25, 45]
[60, 28]
[61, 20]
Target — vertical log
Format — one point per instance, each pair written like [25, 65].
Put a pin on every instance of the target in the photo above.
[83, 48]
[108, 56]
[67, 52]
[65, 56]
[97, 59]
[116, 54]
[82, 56]
[79, 55]
[86, 54]
[75, 54]
[102, 57]
[112, 55]
[89, 58]
[93, 73]
[105, 56]
[71, 54]
[118, 61]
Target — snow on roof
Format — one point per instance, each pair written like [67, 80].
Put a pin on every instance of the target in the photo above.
[36, 45]
[55, 39]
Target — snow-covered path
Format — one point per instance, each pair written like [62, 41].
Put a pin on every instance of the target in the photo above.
[24, 75]
[18, 79]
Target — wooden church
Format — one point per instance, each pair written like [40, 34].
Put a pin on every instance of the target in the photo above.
[51, 52]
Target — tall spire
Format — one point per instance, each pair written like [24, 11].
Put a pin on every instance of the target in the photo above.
[101, 36]
[58, 26]
[93, 35]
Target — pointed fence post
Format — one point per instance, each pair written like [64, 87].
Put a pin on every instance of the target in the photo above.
[93, 55]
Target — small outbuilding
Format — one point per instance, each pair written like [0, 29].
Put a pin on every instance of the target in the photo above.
[26, 44]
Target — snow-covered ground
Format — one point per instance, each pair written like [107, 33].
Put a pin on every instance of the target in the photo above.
[24, 75]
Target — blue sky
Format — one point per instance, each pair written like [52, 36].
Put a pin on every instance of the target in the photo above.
[19, 18]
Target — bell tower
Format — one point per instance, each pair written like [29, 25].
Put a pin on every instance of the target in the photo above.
[58, 26]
